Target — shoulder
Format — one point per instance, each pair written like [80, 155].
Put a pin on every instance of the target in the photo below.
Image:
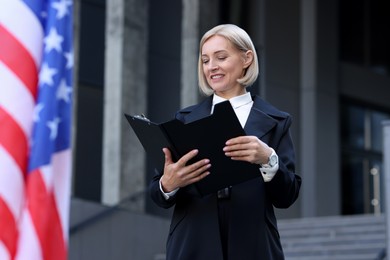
[188, 109]
[195, 111]
[204, 103]
[268, 108]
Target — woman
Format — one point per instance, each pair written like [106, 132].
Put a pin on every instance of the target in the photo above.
[235, 223]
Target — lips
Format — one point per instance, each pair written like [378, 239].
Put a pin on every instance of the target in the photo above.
[216, 76]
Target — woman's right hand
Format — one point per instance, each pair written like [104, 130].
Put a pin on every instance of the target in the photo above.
[178, 175]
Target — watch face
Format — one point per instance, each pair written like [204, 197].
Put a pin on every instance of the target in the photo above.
[273, 160]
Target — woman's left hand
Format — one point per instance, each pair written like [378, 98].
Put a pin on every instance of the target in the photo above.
[248, 148]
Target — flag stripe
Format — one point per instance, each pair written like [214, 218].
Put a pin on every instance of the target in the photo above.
[15, 56]
[35, 119]
[28, 244]
[9, 233]
[10, 181]
[16, 99]
[27, 29]
[62, 161]
[4, 254]
[10, 135]
[50, 236]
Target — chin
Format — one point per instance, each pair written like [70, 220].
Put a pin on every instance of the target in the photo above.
[219, 88]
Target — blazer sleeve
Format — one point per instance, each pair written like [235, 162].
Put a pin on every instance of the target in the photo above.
[156, 195]
[154, 186]
[283, 189]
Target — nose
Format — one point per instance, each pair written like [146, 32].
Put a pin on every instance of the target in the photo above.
[213, 65]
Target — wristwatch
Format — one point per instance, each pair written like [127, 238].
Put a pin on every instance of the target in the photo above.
[272, 160]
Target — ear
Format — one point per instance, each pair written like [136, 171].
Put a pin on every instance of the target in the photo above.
[248, 58]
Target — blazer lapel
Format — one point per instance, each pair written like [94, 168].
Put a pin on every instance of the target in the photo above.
[200, 111]
[259, 123]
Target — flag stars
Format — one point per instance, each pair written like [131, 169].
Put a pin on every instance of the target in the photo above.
[46, 75]
[62, 8]
[64, 91]
[38, 108]
[69, 59]
[53, 41]
[53, 126]
[43, 15]
[51, 116]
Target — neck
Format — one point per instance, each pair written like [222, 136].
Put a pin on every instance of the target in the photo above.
[231, 94]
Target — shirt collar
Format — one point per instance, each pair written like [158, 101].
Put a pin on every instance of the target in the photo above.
[236, 102]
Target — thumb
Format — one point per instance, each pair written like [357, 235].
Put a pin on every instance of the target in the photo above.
[168, 156]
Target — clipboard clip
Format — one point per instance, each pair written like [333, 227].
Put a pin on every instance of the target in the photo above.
[142, 117]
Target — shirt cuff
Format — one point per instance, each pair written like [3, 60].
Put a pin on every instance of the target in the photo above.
[268, 172]
[167, 195]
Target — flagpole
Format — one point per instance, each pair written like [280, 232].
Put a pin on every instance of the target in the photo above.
[386, 162]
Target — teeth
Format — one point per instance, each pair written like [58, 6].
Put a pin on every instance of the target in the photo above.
[216, 76]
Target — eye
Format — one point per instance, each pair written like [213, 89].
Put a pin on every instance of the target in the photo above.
[205, 61]
[222, 58]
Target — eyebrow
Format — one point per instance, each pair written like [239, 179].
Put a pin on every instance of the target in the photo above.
[217, 52]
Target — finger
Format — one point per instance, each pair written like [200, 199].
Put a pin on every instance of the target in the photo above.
[238, 140]
[199, 174]
[197, 166]
[199, 177]
[188, 156]
[237, 147]
[238, 153]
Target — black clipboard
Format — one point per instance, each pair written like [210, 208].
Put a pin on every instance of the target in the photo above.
[208, 135]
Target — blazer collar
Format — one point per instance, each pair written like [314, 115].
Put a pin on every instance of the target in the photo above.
[198, 111]
[259, 123]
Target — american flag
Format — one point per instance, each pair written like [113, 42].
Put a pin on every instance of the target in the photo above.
[36, 63]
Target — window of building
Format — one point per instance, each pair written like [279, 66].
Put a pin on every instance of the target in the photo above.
[88, 146]
[361, 163]
[364, 34]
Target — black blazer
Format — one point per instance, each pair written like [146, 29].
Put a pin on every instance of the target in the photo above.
[253, 233]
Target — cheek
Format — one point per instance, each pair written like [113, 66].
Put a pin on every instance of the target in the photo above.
[204, 70]
[205, 73]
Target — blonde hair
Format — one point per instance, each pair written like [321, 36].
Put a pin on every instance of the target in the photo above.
[240, 40]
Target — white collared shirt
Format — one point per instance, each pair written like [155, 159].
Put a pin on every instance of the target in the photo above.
[241, 104]
[242, 107]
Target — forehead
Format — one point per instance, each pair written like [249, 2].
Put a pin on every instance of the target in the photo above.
[216, 43]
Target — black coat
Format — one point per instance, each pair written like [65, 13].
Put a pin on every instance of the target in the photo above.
[253, 234]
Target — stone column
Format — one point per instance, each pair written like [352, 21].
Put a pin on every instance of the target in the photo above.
[189, 53]
[125, 92]
[308, 113]
[278, 35]
[319, 109]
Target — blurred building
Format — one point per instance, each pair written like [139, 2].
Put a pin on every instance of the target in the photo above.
[326, 62]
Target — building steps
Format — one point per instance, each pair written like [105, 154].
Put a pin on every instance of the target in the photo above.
[359, 237]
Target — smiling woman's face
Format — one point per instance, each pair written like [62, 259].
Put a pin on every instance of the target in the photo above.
[223, 64]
